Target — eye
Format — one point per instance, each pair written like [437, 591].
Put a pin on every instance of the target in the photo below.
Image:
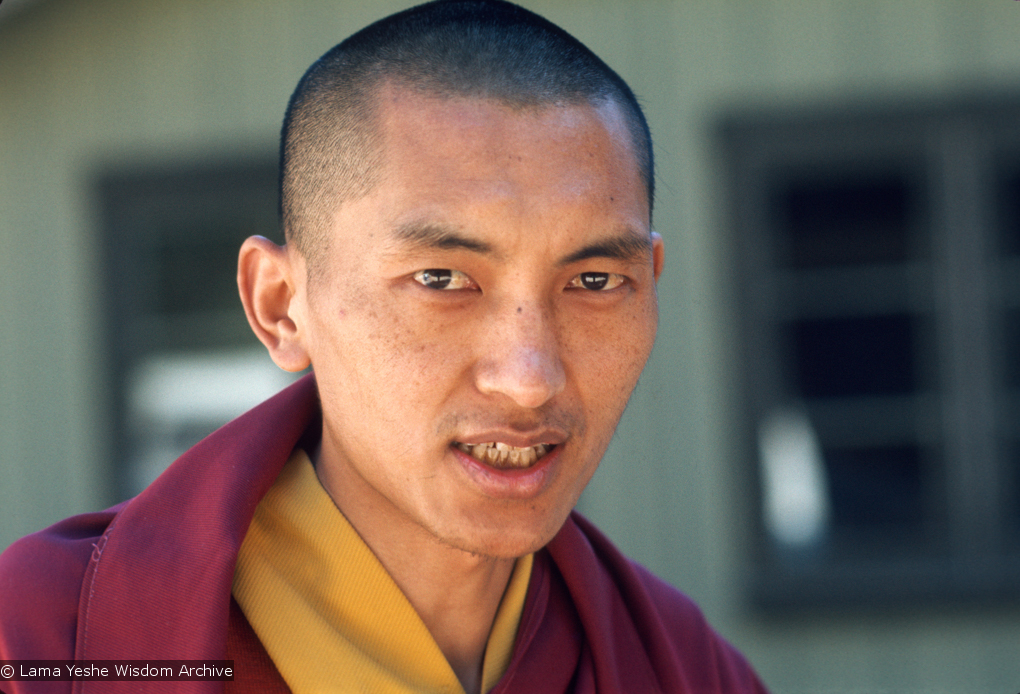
[596, 281]
[439, 278]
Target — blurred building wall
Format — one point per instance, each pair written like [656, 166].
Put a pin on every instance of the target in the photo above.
[112, 84]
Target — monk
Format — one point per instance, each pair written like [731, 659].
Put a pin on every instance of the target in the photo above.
[470, 270]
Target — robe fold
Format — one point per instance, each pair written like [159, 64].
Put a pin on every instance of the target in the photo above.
[150, 579]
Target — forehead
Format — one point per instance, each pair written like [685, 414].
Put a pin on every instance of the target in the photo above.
[466, 151]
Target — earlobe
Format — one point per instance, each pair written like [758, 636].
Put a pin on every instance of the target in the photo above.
[267, 282]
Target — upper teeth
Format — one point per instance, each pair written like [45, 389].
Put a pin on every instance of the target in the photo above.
[500, 454]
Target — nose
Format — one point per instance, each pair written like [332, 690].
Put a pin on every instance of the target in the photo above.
[521, 357]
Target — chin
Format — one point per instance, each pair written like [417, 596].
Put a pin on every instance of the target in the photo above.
[497, 542]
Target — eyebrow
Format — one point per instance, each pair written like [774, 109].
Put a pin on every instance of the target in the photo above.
[628, 246]
[438, 237]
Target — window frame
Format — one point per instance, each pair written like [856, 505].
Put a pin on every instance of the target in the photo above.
[146, 209]
[970, 549]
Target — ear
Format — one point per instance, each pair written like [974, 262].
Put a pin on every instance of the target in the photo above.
[658, 255]
[270, 287]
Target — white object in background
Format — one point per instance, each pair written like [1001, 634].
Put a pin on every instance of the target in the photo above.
[176, 398]
[793, 479]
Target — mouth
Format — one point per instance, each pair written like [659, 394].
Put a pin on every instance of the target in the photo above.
[503, 456]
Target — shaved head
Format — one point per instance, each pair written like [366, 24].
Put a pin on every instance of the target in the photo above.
[331, 150]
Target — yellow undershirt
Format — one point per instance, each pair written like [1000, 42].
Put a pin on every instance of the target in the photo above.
[327, 612]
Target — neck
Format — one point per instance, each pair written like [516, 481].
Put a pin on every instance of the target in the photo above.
[457, 597]
[456, 593]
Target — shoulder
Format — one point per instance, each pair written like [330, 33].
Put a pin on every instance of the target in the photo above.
[640, 588]
[679, 641]
[688, 632]
[40, 581]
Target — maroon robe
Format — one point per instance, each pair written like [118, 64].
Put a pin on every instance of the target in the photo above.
[150, 579]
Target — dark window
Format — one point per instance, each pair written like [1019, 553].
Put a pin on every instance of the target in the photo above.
[875, 487]
[853, 356]
[182, 359]
[879, 261]
[1009, 205]
[1011, 342]
[832, 222]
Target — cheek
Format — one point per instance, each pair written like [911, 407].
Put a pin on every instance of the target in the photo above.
[609, 352]
[379, 350]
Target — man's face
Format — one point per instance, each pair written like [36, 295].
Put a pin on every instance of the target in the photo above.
[497, 286]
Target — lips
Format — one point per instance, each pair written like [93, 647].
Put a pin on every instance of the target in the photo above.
[504, 456]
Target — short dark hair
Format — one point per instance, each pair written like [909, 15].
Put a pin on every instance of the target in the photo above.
[487, 49]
